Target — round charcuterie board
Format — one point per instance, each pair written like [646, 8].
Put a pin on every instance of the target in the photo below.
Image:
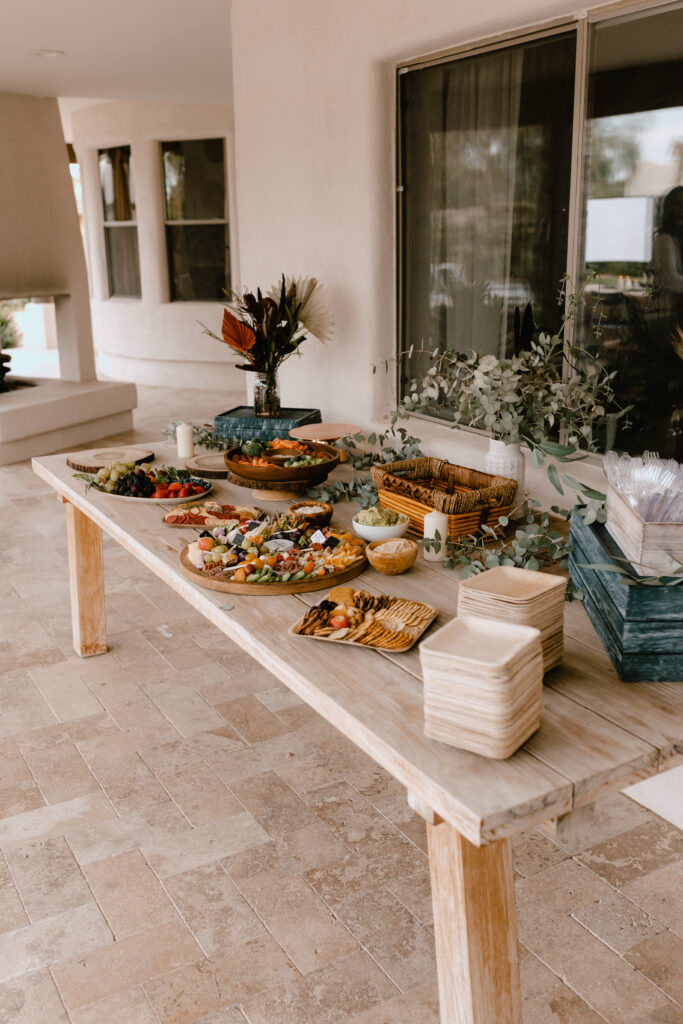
[272, 589]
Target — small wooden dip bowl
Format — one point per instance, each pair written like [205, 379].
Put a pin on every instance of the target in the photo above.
[388, 562]
[320, 518]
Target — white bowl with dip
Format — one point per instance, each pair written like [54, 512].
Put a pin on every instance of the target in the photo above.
[371, 533]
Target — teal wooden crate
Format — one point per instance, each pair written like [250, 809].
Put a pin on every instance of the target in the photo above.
[640, 627]
[241, 424]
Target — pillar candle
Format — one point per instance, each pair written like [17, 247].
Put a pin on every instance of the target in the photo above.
[185, 441]
[436, 522]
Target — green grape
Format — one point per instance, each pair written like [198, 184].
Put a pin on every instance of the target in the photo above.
[109, 486]
[114, 475]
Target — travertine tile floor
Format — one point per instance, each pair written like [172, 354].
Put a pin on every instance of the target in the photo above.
[184, 841]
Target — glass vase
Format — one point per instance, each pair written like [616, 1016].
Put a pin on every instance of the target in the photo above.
[266, 394]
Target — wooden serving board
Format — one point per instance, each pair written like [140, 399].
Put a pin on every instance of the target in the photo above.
[271, 589]
[187, 504]
[211, 465]
[97, 458]
[415, 632]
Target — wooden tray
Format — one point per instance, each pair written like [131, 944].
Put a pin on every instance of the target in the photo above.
[415, 631]
[97, 458]
[271, 589]
[202, 526]
[258, 475]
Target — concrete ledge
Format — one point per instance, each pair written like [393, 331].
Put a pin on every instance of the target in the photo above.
[57, 415]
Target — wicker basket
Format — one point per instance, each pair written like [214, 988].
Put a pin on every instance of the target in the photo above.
[469, 498]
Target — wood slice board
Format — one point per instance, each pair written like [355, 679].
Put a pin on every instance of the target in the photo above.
[210, 465]
[416, 632]
[324, 431]
[271, 589]
[97, 458]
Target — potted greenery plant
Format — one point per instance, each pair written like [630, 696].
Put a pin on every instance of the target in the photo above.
[266, 329]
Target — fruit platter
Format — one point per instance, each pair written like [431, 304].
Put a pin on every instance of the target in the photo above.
[282, 459]
[275, 554]
[131, 482]
[370, 620]
[209, 514]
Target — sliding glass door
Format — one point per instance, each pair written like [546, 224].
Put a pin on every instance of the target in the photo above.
[533, 158]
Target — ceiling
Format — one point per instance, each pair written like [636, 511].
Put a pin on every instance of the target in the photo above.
[176, 50]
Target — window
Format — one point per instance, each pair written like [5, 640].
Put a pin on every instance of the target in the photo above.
[120, 228]
[491, 216]
[634, 220]
[197, 238]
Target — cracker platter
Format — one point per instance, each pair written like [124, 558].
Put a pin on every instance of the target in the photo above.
[371, 620]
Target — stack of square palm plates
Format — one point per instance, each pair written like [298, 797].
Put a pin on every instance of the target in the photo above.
[522, 596]
[483, 685]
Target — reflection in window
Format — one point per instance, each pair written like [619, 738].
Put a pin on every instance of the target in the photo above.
[634, 221]
[486, 157]
[120, 228]
[116, 182]
[197, 235]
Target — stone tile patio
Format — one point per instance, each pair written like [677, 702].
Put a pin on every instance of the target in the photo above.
[184, 841]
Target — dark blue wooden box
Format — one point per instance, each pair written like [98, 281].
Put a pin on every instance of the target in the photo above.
[641, 627]
[241, 423]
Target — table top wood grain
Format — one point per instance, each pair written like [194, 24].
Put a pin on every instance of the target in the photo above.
[597, 734]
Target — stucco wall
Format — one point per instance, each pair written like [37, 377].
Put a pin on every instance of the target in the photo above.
[151, 340]
[41, 252]
[314, 123]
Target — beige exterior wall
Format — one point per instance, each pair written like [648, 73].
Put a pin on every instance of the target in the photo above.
[41, 253]
[315, 138]
[151, 340]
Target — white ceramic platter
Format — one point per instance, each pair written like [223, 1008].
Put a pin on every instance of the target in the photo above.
[157, 501]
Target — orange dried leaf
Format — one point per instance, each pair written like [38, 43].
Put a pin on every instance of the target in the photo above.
[237, 334]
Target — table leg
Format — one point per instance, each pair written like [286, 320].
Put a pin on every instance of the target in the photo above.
[86, 578]
[475, 929]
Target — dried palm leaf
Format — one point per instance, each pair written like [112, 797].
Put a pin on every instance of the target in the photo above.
[236, 334]
[313, 311]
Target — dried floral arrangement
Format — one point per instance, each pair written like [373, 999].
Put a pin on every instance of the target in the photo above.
[266, 328]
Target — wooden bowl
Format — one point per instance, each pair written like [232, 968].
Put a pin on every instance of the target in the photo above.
[391, 563]
[319, 519]
[315, 474]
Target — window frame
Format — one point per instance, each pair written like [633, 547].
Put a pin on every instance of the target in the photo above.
[579, 23]
[199, 222]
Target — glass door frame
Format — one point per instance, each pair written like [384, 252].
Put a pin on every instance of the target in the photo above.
[580, 24]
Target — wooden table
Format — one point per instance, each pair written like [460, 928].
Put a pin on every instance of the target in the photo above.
[597, 734]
